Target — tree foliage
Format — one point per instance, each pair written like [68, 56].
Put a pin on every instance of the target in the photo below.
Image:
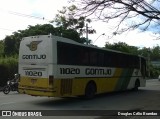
[123, 47]
[11, 43]
[1, 48]
[142, 14]
[66, 18]
[154, 52]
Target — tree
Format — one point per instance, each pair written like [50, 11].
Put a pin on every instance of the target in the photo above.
[11, 43]
[67, 20]
[1, 48]
[123, 47]
[145, 51]
[142, 14]
[155, 53]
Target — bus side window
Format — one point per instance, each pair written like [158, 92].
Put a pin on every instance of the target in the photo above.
[60, 53]
[107, 59]
[84, 56]
[93, 58]
[72, 55]
[100, 59]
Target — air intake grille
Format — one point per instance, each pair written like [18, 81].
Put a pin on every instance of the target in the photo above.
[66, 86]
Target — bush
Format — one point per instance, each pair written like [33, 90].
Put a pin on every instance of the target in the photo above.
[154, 71]
[8, 67]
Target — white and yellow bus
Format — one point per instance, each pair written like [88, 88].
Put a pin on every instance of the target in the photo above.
[59, 67]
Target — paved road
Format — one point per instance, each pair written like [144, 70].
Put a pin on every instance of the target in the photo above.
[147, 98]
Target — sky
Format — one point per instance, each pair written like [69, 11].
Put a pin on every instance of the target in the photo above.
[16, 15]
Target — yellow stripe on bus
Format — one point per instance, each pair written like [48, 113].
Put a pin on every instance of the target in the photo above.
[71, 87]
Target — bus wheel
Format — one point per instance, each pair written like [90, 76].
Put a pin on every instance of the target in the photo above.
[136, 85]
[90, 90]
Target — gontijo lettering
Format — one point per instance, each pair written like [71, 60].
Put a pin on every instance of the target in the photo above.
[95, 71]
[43, 56]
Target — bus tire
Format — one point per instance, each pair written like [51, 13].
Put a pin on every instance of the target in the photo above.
[136, 85]
[90, 90]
